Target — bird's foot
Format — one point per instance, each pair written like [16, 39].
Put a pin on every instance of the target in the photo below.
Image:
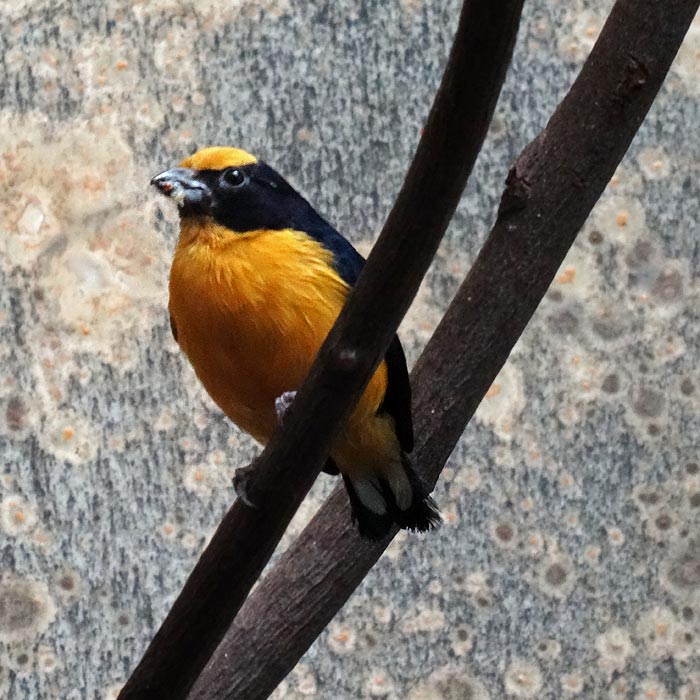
[282, 404]
[241, 483]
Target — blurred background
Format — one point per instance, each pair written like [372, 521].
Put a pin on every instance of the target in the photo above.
[569, 561]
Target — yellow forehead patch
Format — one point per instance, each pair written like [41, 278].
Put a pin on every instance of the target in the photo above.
[218, 158]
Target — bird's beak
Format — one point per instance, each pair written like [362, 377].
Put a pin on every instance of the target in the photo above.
[183, 187]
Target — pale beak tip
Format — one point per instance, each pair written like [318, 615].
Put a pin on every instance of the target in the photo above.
[160, 180]
[184, 187]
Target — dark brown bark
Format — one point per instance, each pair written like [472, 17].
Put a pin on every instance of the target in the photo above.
[549, 193]
[282, 475]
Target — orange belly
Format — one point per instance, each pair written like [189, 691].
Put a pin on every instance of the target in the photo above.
[251, 316]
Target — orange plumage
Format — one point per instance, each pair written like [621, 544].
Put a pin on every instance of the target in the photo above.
[251, 305]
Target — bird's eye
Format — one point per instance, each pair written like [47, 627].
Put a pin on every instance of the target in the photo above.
[234, 177]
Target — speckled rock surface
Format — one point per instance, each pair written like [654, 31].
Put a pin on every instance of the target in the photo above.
[569, 563]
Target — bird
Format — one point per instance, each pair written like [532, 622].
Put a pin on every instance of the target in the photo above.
[257, 280]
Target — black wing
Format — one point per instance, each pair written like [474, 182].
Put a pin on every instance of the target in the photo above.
[397, 399]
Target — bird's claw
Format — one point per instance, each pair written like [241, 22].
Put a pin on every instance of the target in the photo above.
[282, 404]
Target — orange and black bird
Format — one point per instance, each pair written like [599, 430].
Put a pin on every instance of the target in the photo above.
[257, 281]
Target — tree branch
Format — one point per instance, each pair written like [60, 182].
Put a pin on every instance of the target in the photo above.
[288, 466]
[549, 193]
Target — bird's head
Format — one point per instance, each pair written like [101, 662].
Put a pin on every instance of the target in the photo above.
[234, 188]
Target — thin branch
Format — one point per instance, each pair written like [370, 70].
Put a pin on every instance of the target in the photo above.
[549, 193]
[281, 477]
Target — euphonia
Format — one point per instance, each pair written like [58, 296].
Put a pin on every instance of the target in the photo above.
[257, 280]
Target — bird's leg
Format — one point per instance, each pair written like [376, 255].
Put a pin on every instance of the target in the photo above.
[242, 476]
[282, 404]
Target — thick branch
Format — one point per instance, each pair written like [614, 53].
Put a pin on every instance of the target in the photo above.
[550, 192]
[285, 471]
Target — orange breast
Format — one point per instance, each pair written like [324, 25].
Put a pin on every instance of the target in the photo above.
[251, 312]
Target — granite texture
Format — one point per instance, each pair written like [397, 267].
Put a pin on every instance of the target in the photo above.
[569, 562]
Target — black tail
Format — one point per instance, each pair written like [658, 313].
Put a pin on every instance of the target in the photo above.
[379, 502]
